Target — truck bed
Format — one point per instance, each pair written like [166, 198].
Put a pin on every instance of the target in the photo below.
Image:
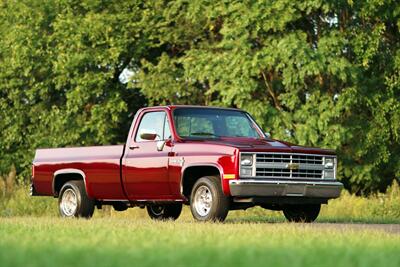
[100, 164]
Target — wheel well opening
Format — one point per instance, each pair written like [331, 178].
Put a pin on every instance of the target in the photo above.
[61, 179]
[192, 174]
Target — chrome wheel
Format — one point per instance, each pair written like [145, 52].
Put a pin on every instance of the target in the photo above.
[69, 202]
[203, 200]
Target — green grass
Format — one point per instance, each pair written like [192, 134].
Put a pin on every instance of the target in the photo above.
[379, 208]
[48, 241]
[31, 234]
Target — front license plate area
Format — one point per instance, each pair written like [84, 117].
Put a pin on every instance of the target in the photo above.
[295, 190]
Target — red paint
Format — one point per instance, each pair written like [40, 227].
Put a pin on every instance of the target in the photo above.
[148, 174]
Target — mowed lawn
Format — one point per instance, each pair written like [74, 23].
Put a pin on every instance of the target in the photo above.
[51, 241]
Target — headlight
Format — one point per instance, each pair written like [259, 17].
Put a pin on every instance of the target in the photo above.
[246, 160]
[329, 163]
[246, 172]
[329, 174]
[246, 164]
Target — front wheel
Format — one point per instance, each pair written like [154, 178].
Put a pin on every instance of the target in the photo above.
[74, 202]
[301, 213]
[207, 201]
[164, 211]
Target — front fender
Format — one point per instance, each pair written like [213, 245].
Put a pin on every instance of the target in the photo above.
[224, 176]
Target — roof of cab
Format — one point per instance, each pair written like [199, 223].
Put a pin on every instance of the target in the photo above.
[172, 107]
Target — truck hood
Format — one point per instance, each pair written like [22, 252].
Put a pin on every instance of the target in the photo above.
[266, 145]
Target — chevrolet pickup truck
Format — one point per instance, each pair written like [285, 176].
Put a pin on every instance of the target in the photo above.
[213, 159]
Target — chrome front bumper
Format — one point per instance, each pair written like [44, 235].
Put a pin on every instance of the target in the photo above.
[281, 188]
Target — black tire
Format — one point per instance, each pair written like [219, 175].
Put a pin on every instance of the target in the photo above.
[218, 207]
[301, 213]
[84, 207]
[164, 211]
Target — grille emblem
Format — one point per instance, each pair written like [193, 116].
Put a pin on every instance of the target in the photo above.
[293, 166]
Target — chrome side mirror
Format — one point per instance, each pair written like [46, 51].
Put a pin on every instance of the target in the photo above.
[160, 145]
[267, 134]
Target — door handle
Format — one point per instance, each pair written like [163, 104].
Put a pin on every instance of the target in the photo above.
[133, 147]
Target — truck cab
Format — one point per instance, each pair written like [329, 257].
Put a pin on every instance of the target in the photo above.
[213, 159]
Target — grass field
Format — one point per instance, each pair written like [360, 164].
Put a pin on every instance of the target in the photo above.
[379, 208]
[47, 241]
[31, 234]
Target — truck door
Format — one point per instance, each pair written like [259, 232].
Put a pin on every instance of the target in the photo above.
[145, 169]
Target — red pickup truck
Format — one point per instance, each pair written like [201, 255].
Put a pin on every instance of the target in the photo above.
[213, 159]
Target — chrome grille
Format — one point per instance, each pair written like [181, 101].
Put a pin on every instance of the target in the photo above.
[289, 166]
[285, 173]
[288, 158]
[273, 158]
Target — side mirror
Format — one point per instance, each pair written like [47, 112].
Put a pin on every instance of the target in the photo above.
[148, 135]
[161, 144]
[267, 134]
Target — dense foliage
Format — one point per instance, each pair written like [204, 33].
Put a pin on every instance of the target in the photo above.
[313, 72]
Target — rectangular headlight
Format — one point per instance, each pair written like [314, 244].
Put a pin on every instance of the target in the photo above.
[246, 159]
[329, 174]
[246, 172]
[329, 163]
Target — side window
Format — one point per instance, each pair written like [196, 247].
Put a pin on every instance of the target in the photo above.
[153, 122]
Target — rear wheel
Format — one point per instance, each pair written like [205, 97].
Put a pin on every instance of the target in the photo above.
[164, 211]
[301, 213]
[207, 201]
[74, 202]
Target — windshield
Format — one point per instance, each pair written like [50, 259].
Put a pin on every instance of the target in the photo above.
[213, 123]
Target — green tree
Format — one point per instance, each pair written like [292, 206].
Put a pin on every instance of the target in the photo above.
[60, 63]
[317, 73]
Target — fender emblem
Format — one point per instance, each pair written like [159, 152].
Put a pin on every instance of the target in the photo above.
[293, 166]
[179, 161]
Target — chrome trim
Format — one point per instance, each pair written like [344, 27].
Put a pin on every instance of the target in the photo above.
[303, 166]
[203, 200]
[294, 153]
[273, 165]
[160, 145]
[69, 171]
[254, 170]
[254, 181]
[282, 188]
[69, 202]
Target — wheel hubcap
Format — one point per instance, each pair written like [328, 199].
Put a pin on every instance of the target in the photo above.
[69, 202]
[203, 200]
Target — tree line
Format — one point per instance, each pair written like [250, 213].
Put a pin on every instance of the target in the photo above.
[312, 72]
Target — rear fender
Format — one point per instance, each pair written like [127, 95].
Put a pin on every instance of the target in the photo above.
[63, 174]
